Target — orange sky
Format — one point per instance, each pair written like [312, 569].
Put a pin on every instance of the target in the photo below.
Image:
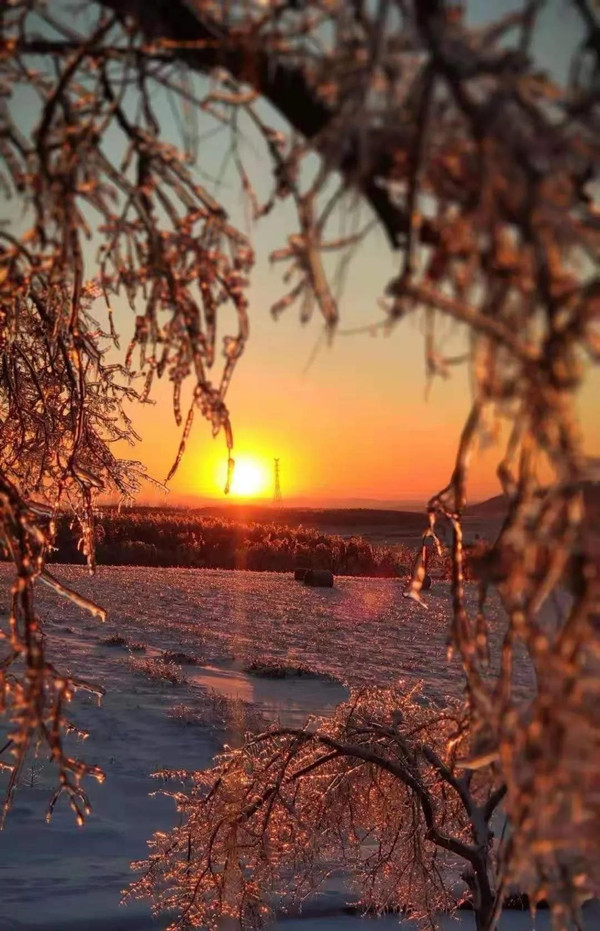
[354, 426]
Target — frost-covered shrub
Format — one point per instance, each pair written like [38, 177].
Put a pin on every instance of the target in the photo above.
[114, 640]
[232, 716]
[151, 537]
[179, 658]
[281, 670]
[158, 670]
[375, 790]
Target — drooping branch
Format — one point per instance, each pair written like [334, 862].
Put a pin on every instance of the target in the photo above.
[194, 38]
[403, 773]
[357, 791]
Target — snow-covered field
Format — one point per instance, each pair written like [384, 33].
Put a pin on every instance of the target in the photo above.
[58, 877]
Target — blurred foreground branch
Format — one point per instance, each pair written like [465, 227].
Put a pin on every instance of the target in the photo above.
[481, 169]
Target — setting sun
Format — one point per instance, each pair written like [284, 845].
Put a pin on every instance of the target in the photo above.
[251, 478]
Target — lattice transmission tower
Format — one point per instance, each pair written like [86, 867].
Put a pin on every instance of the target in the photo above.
[277, 489]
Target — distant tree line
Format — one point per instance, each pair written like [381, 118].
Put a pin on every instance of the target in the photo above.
[166, 538]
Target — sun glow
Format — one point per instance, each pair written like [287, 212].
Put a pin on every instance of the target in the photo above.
[251, 478]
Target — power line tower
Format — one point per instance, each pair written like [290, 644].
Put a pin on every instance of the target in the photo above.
[277, 490]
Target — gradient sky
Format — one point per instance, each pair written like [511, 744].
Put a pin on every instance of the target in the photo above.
[349, 421]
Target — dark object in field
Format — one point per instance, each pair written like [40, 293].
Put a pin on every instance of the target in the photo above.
[426, 583]
[300, 574]
[272, 670]
[136, 647]
[181, 659]
[319, 578]
[115, 640]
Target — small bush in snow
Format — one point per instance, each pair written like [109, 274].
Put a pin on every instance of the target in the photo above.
[157, 669]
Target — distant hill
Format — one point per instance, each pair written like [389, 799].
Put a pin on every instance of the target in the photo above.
[492, 507]
[496, 507]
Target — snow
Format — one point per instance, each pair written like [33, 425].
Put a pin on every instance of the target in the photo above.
[58, 877]
[464, 921]
[288, 701]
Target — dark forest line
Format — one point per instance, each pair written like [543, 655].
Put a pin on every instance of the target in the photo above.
[152, 537]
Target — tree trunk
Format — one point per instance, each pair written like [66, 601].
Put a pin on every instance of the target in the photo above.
[483, 896]
[484, 913]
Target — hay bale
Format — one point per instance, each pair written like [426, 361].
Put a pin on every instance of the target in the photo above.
[300, 574]
[319, 578]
